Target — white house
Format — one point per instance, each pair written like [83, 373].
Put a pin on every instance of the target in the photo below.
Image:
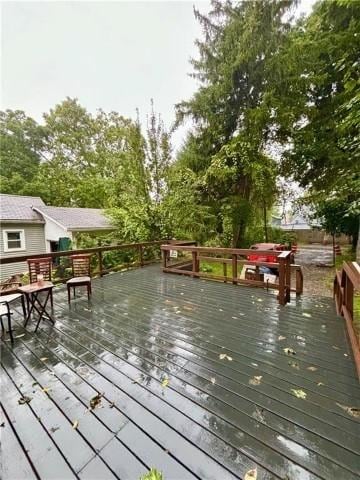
[28, 227]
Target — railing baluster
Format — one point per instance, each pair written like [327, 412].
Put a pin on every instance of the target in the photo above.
[234, 268]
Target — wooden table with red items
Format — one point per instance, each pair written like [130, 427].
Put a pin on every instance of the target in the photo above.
[35, 301]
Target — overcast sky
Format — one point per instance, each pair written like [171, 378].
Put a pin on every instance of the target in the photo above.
[110, 55]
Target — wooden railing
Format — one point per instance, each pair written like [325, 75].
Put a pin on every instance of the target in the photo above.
[346, 284]
[233, 256]
[138, 248]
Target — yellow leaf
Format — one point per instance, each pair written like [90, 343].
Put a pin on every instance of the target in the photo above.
[222, 356]
[320, 384]
[251, 474]
[255, 380]
[312, 369]
[353, 411]
[306, 315]
[229, 358]
[281, 337]
[213, 380]
[294, 365]
[335, 347]
[289, 351]
[43, 359]
[75, 424]
[45, 389]
[165, 382]
[259, 300]
[299, 393]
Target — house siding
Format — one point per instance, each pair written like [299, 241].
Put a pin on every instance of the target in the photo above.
[34, 243]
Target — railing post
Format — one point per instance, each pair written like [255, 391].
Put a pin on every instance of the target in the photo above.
[100, 263]
[165, 258]
[349, 296]
[299, 281]
[225, 271]
[282, 299]
[195, 262]
[234, 268]
[141, 255]
[288, 277]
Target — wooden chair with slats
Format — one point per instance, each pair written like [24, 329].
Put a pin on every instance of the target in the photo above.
[40, 266]
[81, 275]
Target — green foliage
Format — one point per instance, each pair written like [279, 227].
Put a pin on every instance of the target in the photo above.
[21, 149]
[227, 150]
[153, 474]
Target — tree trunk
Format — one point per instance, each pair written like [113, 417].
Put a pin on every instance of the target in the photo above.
[358, 246]
[265, 224]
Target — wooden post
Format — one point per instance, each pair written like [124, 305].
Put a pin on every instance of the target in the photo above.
[234, 268]
[195, 262]
[349, 297]
[165, 258]
[100, 263]
[141, 256]
[299, 281]
[281, 280]
[288, 278]
[225, 270]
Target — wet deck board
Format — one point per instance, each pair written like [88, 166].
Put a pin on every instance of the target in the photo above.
[217, 417]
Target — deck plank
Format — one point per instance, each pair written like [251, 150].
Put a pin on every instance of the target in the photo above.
[142, 326]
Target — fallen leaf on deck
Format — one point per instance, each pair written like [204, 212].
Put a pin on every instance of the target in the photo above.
[281, 337]
[185, 307]
[165, 382]
[34, 384]
[346, 355]
[213, 380]
[335, 347]
[299, 393]
[353, 411]
[137, 380]
[43, 359]
[95, 401]
[299, 337]
[294, 365]
[112, 405]
[251, 474]
[24, 399]
[21, 335]
[2, 424]
[234, 318]
[75, 424]
[312, 369]
[289, 351]
[306, 315]
[320, 384]
[53, 429]
[222, 356]
[254, 364]
[259, 299]
[45, 389]
[255, 380]
[87, 309]
[181, 293]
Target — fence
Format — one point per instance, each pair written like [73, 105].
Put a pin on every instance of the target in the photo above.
[140, 253]
[198, 254]
[346, 284]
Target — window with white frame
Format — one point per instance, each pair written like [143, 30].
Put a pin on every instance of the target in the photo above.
[14, 240]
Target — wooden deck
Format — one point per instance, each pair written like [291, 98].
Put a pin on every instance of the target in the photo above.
[199, 380]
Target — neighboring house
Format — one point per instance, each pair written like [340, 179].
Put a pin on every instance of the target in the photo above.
[28, 227]
[307, 233]
[64, 222]
[21, 231]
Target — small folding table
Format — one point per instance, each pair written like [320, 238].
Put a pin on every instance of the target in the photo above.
[37, 301]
